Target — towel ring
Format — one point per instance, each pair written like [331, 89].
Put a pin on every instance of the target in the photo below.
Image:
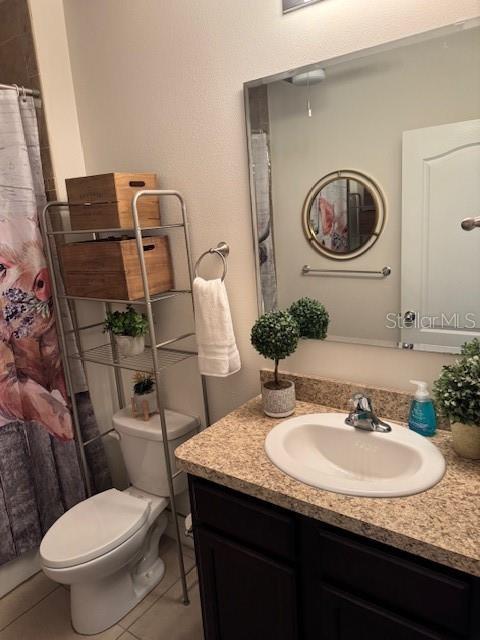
[222, 250]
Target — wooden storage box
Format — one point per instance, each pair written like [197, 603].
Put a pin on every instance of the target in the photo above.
[109, 197]
[110, 269]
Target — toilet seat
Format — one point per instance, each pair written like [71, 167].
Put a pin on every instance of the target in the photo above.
[92, 528]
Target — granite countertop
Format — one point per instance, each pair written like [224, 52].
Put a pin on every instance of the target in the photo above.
[441, 524]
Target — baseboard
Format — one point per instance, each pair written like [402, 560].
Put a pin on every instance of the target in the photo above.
[18, 570]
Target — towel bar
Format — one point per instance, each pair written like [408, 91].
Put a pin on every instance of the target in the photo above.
[383, 273]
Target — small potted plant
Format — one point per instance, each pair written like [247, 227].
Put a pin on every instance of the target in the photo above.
[312, 318]
[275, 336]
[457, 392]
[144, 400]
[129, 329]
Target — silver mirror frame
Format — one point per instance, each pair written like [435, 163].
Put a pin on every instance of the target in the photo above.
[380, 212]
[293, 5]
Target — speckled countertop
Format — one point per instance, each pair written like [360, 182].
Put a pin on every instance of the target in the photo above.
[441, 524]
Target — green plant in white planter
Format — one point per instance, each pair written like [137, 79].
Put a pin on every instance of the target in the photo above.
[144, 400]
[457, 392]
[129, 329]
[275, 336]
[312, 318]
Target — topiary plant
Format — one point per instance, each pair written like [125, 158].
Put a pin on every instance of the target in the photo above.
[144, 383]
[457, 390]
[312, 318]
[471, 348]
[275, 336]
[126, 323]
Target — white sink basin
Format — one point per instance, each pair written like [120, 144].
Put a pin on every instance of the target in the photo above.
[321, 450]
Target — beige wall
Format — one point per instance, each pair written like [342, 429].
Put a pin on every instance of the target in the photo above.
[158, 86]
[359, 113]
[48, 24]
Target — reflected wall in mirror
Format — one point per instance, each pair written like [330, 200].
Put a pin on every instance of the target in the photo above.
[343, 215]
[405, 116]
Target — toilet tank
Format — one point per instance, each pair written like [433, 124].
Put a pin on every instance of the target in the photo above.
[141, 443]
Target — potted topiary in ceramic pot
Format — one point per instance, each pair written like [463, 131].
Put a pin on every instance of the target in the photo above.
[457, 392]
[275, 336]
[144, 400]
[129, 329]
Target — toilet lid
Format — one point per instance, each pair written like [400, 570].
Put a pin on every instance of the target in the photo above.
[92, 528]
[178, 425]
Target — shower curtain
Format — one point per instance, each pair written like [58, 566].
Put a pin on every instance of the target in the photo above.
[266, 253]
[40, 474]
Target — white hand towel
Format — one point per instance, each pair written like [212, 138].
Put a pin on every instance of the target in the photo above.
[217, 350]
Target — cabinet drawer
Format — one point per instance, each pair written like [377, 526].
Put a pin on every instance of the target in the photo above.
[342, 617]
[243, 518]
[408, 586]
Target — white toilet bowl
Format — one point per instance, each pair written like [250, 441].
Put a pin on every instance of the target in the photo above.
[106, 547]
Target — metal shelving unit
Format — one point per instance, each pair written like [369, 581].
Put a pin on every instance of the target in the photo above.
[104, 354]
[155, 359]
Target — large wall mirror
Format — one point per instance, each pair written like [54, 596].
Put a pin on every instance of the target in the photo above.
[362, 170]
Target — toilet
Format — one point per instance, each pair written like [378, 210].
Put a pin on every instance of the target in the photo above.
[106, 547]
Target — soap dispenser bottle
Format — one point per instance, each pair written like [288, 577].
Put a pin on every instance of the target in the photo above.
[422, 418]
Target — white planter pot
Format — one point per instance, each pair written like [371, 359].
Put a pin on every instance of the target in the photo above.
[279, 403]
[130, 346]
[145, 403]
[466, 440]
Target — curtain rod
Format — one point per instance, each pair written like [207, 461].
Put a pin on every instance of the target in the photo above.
[28, 92]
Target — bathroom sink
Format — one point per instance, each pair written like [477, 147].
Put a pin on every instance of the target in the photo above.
[321, 450]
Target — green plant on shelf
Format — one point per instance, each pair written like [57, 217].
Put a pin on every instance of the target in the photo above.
[126, 323]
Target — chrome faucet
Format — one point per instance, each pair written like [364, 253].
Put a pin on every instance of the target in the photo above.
[363, 417]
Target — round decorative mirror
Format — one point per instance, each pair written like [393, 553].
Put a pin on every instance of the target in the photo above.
[343, 214]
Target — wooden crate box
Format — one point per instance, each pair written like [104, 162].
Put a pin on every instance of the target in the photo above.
[111, 268]
[109, 197]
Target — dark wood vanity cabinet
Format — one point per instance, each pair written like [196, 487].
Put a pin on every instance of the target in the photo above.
[246, 563]
[269, 574]
[245, 595]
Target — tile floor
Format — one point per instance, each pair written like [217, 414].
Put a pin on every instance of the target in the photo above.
[39, 609]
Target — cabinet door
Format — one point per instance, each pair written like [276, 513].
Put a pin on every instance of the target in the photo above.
[427, 594]
[343, 617]
[244, 594]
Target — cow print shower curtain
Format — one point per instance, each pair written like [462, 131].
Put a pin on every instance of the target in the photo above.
[40, 475]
